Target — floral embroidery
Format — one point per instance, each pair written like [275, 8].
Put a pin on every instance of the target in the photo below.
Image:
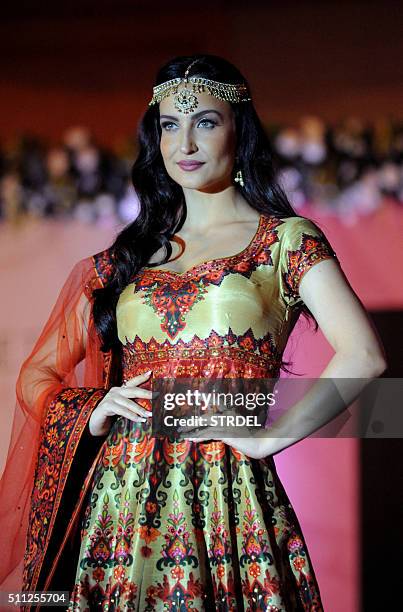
[103, 264]
[171, 301]
[103, 269]
[177, 525]
[185, 517]
[188, 525]
[255, 356]
[65, 420]
[172, 295]
[312, 250]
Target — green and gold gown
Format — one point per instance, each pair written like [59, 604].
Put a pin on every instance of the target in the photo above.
[187, 525]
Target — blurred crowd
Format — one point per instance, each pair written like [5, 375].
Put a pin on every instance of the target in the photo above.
[349, 169]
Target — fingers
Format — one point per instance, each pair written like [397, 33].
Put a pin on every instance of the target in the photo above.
[132, 382]
[129, 414]
[136, 392]
[133, 406]
[131, 389]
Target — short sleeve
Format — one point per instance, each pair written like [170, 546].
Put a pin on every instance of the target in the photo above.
[302, 245]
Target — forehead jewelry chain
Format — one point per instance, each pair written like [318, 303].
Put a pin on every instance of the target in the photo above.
[185, 101]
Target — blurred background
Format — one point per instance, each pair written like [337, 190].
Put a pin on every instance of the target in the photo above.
[327, 81]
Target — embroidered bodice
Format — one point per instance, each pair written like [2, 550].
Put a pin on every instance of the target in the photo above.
[227, 317]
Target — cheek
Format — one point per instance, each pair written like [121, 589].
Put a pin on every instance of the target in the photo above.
[223, 145]
[166, 145]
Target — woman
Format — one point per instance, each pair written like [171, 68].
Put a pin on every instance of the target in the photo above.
[208, 281]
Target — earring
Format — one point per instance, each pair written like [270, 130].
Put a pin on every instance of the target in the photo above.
[239, 178]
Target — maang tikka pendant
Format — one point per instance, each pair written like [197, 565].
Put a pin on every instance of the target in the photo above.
[185, 101]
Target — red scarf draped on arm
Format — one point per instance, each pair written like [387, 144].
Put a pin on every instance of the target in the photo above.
[54, 402]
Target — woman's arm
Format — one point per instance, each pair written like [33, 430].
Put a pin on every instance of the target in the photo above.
[344, 323]
[358, 358]
[61, 346]
[56, 354]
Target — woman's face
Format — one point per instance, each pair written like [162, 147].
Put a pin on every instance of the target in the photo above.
[207, 135]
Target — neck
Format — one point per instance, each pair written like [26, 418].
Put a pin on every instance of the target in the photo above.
[205, 210]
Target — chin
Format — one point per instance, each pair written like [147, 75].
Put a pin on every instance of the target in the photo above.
[197, 182]
[190, 182]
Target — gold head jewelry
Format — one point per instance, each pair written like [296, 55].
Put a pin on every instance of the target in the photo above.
[186, 101]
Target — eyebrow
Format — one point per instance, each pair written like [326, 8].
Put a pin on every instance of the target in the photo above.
[195, 114]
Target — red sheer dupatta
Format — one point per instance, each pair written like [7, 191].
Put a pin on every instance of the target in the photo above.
[54, 402]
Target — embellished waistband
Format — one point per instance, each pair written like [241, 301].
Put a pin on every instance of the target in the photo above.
[179, 361]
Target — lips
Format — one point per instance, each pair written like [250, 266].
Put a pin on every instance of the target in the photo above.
[190, 165]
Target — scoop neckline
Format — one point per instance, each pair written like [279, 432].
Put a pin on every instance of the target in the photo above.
[241, 253]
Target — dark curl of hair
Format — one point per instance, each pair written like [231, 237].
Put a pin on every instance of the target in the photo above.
[162, 203]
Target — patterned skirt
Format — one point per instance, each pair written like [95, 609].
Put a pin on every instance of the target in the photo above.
[185, 526]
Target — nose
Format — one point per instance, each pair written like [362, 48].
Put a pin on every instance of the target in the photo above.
[187, 143]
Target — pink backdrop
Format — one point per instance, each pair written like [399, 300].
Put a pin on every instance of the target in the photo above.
[320, 476]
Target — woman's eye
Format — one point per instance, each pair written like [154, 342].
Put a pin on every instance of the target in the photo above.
[167, 125]
[207, 123]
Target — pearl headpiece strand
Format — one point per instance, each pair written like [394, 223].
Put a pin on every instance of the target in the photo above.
[186, 101]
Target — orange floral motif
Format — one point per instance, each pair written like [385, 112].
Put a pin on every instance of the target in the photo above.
[299, 563]
[177, 573]
[212, 451]
[214, 340]
[119, 573]
[52, 436]
[243, 266]
[143, 449]
[148, 534]
[247, 343]
[254, 570]
[151, 507]
[220, 570]
[98, 574]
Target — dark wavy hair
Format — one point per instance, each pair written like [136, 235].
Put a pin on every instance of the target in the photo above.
[162, 203]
